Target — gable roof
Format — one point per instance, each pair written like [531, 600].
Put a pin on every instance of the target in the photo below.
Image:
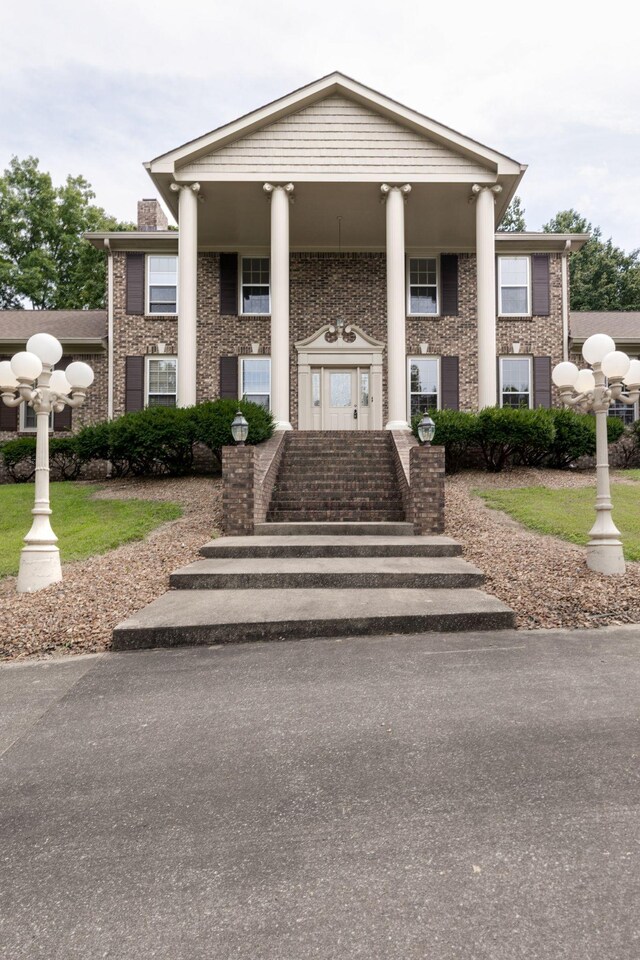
[621, 325]
[75, 326]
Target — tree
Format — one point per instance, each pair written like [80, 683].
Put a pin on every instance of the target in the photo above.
[603, 276]
[44, 261]
[513, 220]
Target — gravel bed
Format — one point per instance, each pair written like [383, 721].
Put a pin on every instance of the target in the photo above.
[544, 579]
[78, 615]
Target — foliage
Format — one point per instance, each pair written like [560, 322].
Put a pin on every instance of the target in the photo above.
[19, 457]
[569, 513]
[603, 276]
[575, 437]
[513, 435]
[513, 220]
[213, 423]
[66, 458]
[44, 260]
[155, 440]
[456, 431]
[85, 526]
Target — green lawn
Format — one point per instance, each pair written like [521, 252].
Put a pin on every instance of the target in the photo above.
[569, 514]
[83, 526]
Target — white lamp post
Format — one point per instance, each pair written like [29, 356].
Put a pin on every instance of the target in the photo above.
[29, 378]
[587, 390]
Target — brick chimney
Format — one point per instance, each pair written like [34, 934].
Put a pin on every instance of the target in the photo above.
[151, 216]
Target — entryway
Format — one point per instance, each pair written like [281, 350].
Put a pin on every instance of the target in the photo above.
[341, 398]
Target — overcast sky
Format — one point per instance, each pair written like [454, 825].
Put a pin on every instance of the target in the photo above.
[97, 87]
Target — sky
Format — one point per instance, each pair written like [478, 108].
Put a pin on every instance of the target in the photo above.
[99, 86]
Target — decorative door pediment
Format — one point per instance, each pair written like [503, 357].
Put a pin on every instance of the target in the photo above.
[325, 340]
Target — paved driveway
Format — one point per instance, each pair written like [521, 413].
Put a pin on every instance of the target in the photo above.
[407, 797]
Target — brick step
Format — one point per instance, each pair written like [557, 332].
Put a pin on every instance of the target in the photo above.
[324, 502]
[326, 489]
[347, 471]
[340, 540]
[335, 516]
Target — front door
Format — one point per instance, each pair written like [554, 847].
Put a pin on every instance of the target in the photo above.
[344, 398]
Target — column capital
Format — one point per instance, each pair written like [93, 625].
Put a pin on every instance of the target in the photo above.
[287, 187]
[386, 188]
[478, 188]
[176, 187]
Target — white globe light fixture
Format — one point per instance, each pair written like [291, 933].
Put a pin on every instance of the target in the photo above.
[53, 391]
[594, 391]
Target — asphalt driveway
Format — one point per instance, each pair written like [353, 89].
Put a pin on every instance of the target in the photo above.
[427, 797]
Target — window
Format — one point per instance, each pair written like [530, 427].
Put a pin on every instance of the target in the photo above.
[255, 380]
[628, 413]
[28, 418]
[424, 376]
[423, 285]
[255, 285]
[162, 284]
[161, 381]
[514, 283]
[515, 382]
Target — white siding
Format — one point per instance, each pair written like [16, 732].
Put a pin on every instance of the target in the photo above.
[332, 136]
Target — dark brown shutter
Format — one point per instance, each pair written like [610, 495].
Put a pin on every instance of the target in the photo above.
[134, 384]
[498, 397]
[450, 389]
[542, 381]
[228, 378]
[449, 281]
[135, 284]
[8, 417]
[540, 285]
[229, 284]
[62, 420]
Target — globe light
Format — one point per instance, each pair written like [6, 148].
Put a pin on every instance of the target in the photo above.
[26, 366]
[79, 375]
[239, 428]
[8, 382]
[585, 382]
[426, 429]
[46, 347]
[596, 348]
[564, 374]
[59, 383]
[615, 365]
[632, 378]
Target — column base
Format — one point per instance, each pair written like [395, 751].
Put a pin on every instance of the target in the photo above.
[283, 425]
[39, 568]
[397, 425]
[606, 557]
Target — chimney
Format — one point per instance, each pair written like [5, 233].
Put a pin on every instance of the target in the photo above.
[151, 216]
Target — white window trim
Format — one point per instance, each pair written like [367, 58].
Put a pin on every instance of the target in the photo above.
[23, 418]
[422, 356]
[157, 356]
[514, 356]
[512, 256]
[426, 256]
[252, 256]
[241, 360]
[147, 286]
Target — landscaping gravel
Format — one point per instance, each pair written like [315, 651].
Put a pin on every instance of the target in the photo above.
[545, 580]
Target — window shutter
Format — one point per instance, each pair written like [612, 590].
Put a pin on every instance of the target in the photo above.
[449, 281]
[134, 384]
[135, 284]
[540, 285]
[228, 378]
[229, 285]
[542, 381]
[450, 387]
[8, 417]
[62, 420]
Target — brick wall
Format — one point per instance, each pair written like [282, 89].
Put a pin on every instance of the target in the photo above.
[426, 465]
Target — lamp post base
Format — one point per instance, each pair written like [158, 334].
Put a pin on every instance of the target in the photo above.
[39, 568]
[606, 557]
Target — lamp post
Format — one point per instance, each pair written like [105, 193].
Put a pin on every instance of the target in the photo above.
[29, 378]
[593, 390]
[426, 430]
[239, 429]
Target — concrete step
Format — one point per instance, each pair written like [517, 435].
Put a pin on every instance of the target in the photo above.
[234, 616]
[331, 546]
[256, 573]
[340, 527]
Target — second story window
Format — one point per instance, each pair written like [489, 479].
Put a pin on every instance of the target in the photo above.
[423, 286]
[255, 294]
[514, 284]
[162, 284]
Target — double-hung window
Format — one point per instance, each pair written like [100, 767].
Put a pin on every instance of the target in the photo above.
[255, 380]
[162, 284]
[162, 373]
[423, 286]
[255, 293]
[29, 418]
[514, 282]
[515, 382]
[424, 383]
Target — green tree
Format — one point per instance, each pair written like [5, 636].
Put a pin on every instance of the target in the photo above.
[513, 220]
[603, 276]
[44, 261]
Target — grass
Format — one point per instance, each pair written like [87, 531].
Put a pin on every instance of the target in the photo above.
[84, 527]
[569, 513]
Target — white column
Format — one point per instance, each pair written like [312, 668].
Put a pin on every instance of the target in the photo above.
[396, 308]
[486, 278]
[280, 197]
[187, 291]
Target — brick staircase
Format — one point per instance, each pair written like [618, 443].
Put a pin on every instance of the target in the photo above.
[339, 476]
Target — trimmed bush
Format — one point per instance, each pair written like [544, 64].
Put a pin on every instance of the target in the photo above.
[510, 435]
[575, 436]
[213, 419]
[65, 458]
[153, 441]
[456, 431]
[19, 457]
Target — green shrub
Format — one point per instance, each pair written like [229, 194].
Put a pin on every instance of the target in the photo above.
[509, 435]
[19, 457]
[152, 441]
[456, 431]
[65, 458]
[93, 442]
[575, 436]
[213, 419]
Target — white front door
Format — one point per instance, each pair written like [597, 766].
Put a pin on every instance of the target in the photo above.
[343, 400]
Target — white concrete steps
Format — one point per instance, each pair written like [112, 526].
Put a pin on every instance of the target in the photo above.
[336, 528]
[325, 545]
